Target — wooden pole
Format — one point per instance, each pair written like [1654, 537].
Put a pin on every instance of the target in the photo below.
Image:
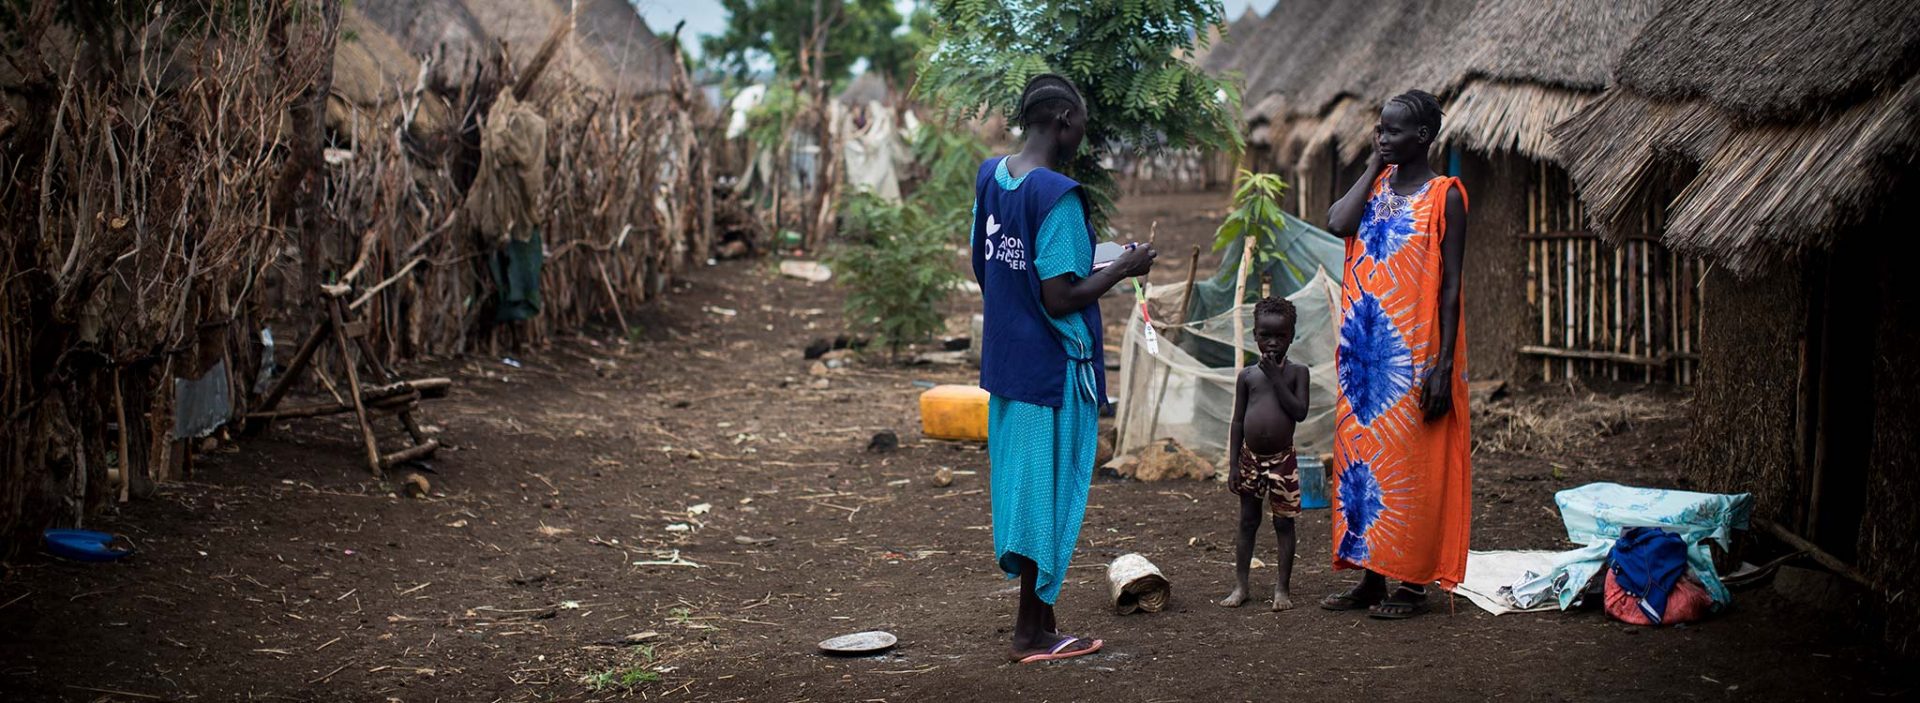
[1239, 324]
[614, 300]
[353, 389]
[120, 416]
[1819, 555]
[301, 360]
[1173, 330]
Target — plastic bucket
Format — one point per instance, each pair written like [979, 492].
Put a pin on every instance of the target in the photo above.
[1313, 484]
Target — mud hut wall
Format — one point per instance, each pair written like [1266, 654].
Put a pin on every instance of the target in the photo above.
[1744, 427]
[1315, 185]
[1890, 525]
[1493, 284]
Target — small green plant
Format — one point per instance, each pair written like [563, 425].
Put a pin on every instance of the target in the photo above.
[898, 265]
[1257, 213]
[625, 677]
[897, 271]
[680, 616]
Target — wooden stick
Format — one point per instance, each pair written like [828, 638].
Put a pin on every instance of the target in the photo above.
[410, 453]
[364, 297]
[120, 416]
[1663, 359]
[614, 299]
[413, 427]
[1646, 304]
[367, 242]
[1239, 325]
[1819, 555]
[353, 390]
[562, 26]
[388, 403]
[301, 360]
[1186, 292]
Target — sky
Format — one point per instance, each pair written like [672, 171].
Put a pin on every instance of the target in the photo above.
[706, 17]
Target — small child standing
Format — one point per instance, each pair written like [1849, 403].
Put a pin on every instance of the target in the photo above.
[1268, 400]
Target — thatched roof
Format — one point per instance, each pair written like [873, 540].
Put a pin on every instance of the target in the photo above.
[865, 88]
[1562, 44]
[1511, 67]
[1800, 119]
[1527, 65]
[636, 61]
[612, 49]
[523, 25]
[1774, 59]
[371, 72]
[1335, 62]
[442, 30]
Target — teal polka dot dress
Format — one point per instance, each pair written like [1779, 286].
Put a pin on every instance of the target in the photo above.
[1042, 457]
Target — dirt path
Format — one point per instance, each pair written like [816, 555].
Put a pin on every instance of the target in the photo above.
[762, 526]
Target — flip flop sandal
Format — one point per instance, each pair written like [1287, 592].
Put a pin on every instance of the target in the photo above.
[1404, 603]
[1349, 601]
[1059, 651]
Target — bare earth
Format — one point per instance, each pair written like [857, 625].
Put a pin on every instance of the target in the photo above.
[283, 572]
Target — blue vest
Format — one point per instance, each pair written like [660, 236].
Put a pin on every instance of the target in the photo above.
[1022, 357]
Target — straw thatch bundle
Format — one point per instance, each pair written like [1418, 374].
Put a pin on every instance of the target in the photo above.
[1800, 119]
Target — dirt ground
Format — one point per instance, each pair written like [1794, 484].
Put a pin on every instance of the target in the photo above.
[694, 488]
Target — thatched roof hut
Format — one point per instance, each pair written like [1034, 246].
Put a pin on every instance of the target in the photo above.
[1526, 66]
[1319, 71]
[613, 49]
[1800, 117]
[444, 32]
[636, 61]
[372, 74]
[866, 88]
[1789, 132]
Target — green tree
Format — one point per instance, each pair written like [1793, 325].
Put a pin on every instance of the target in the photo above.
[782, 32]
[898, 58]
[1126, 56]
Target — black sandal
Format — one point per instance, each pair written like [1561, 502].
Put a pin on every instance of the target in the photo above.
[1352, 599]
[1405, 602]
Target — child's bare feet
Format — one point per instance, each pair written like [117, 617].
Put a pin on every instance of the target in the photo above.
[1282, 600]
[1235, 599]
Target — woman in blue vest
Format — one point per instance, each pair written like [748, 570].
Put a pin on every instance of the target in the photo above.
[1041, 355]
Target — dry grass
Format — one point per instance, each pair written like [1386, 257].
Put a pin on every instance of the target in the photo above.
[1553, 422]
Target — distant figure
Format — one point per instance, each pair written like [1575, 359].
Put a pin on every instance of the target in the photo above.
[1041, 357]
[1268, 401]
[1401, 486]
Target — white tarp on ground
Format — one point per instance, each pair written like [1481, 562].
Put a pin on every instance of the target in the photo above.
[1488, 572]
[1174, 395]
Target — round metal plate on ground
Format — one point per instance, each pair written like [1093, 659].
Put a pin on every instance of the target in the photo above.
[859, 643]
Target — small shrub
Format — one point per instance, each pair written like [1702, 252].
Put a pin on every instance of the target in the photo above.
[898, 265]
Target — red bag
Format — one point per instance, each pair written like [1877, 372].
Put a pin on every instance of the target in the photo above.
[1688, 602]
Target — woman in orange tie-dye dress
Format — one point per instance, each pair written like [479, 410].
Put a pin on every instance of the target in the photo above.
[1401, 469]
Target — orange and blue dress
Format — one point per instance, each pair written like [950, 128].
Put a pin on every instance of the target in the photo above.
[1402, 486]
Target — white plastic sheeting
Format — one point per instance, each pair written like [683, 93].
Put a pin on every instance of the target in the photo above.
[1174, 395]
